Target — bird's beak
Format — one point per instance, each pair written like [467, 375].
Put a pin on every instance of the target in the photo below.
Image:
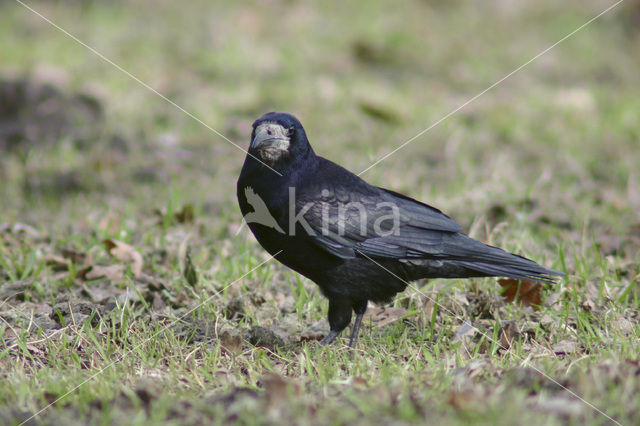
[262, 139]
[270, 137]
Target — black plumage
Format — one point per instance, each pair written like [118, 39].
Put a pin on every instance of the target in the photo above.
[358, 242]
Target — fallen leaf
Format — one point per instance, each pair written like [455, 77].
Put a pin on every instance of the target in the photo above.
[17, 288]
[462, 399]
[564, 347]
[102, 293]
[278, 391]
[588, 305]
[316, 331]
[529, 293]
[113, 272]
[380, 316]
[126, 254]
[158, 303]
[508, 332]
[75, 255]
[231, 343]
[56, 263]
[466, 330]
[110, 222]
[360, 383]
[186, 214]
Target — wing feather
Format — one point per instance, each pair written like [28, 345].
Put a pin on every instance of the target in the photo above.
[374, 221]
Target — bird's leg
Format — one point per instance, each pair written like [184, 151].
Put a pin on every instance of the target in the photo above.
[339, 317]
[359, 308]
[355, 330]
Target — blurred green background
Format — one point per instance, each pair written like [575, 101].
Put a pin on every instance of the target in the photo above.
[362, 77]
[544, 164]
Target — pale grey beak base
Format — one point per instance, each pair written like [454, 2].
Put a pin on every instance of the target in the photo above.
[271, 140]
[262, 140]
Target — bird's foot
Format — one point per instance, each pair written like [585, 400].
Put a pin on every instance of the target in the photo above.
[329, 338]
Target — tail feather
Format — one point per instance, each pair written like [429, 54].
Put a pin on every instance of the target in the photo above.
[534, 273]
[494, 261]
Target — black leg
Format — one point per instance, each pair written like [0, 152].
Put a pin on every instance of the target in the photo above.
[339, 318]
[329, 338]
[359, 308]
[356, 329]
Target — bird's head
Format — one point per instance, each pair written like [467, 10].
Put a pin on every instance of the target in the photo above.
[278, 138]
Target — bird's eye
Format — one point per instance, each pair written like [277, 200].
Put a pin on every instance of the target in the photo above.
[269, 132]
[290, 131]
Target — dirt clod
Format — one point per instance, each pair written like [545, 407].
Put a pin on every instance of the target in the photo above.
[261, 336]
[69, 312]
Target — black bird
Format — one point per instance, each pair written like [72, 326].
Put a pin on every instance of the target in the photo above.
[358, 242]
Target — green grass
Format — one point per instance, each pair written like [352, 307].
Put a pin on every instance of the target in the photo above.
[545, 164]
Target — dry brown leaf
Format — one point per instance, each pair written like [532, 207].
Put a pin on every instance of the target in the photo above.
[316, 331]
[463, 399]
[278, 390]
[466, 330]
[529, 293]
[56, 263]
[102, 293]
[380, 316]
[186, 214]
[113, 272]
[360, 383]
[76, 256]
[565, 347]
[231, 343]
[123, 296]
[508, 333]
[126, 254]
[110, 222]
[158, 303]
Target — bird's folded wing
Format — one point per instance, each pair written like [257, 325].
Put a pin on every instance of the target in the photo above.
[377, 223]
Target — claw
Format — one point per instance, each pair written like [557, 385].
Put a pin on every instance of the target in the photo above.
[329, 338]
